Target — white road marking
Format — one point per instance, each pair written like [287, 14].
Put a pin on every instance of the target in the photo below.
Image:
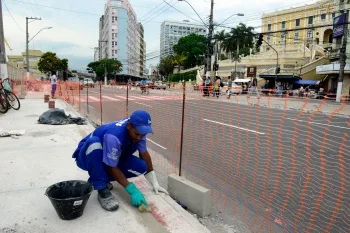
[94, 98]
[110, 98]
[143, 104]
[94, 92]
[91, 106]
[156, 144]
[315, 123]
[233, 126]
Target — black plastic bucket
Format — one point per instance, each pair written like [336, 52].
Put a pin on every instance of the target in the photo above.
[69, 198]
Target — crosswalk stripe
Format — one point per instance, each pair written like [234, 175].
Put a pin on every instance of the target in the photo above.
[94, 98]
[110, 98]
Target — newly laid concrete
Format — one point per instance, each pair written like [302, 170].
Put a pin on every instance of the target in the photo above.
[197, 198]
[42, 157]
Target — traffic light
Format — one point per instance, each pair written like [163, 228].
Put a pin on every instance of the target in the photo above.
[278, 70]
[260, 40]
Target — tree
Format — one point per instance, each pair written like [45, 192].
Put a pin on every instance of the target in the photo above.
[219, 38]
[239, 38]
[192, 47]
[112, 66]
[49, 63]
[64, 64]
[166, 66]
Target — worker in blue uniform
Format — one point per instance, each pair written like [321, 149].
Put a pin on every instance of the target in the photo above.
[108, 155]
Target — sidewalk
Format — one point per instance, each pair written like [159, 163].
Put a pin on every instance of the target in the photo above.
[42, 157]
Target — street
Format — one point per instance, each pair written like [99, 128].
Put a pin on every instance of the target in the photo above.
[261, 164]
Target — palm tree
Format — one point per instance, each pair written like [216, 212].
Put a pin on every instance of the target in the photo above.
[220, 37]
[240, 37]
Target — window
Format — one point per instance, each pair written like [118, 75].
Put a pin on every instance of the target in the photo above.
[333, 15]
[283, 37]
[297, 22]
[311, 20]
[323, 16]
[296, 36]
[283, 24]
[269, 27]
[309, 34]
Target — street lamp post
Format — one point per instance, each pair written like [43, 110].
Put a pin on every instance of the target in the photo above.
[27, 49]
[210, 34]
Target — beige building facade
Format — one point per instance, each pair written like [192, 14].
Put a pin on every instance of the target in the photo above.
[302, 37]
[309, 24]
[19, 61]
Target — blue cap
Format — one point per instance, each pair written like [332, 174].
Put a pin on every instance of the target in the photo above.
[142, 121]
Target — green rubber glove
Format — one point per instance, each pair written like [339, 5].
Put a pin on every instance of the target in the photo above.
[137, 197]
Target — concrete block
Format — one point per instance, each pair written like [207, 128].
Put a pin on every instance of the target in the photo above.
[197, 198]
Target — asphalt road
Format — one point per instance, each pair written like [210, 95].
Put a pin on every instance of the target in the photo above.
[274, 170]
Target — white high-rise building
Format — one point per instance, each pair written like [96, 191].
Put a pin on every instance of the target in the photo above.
[118, 33]
[172, 31]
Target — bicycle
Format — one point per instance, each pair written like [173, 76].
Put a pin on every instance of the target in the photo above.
[12, 100]
[144, 89]
[3, 104]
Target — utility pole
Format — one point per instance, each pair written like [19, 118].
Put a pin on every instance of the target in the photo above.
[27, 43]
[3, 65]
[210, 35]
[342, 57]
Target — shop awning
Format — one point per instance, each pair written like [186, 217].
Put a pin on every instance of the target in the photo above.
[279, 77]
[307, 82]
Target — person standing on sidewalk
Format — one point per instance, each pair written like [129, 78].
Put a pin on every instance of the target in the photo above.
[108, 155]
[53, 80]
[254, 86]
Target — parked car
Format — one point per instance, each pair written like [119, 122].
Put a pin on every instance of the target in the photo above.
[236, 89]
[75, 81]
[159, 85]
[88, 82]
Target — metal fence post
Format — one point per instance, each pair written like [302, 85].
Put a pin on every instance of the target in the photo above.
[101, 101]
[182, 125]
[79, 95]
[127, 101]
[87, 98]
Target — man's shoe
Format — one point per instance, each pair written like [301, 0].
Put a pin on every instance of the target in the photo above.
[109, 186]
[107, 200]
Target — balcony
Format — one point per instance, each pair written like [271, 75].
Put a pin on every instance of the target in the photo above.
[334, 54]
[331, 69]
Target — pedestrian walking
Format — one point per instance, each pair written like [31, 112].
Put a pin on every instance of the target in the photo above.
[206, 86]
[254, 86]
[229, 87]
[107, 154]
[53, 80]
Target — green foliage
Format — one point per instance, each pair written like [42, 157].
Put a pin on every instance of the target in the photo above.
[166, 66]
[184, 76]
[112, 66]
[192, 48]
[223, 57]
[240, 37]
[49, 63]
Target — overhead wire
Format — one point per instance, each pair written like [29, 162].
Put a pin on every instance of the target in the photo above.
[12, 17]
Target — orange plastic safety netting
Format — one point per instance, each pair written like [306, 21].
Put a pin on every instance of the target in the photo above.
[279, 163]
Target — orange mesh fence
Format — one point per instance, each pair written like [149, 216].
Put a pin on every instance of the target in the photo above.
[276, 164]
[279, 163]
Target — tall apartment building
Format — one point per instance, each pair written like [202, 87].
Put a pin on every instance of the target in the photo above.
[101, 24]
[118, 36]
[141, 53]
[172, 31]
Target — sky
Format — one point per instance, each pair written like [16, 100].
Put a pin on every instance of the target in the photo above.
[75, 23]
